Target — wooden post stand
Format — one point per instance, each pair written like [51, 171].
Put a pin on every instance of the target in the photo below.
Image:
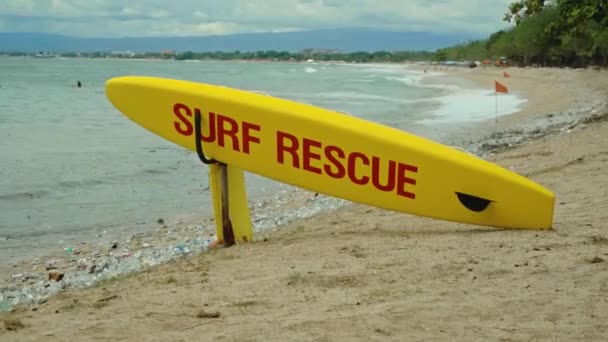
[226, 223]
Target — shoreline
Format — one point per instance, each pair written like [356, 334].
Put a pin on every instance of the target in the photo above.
[468, 103]
[119, 254]
[568, 97]
[502, 137]
[191, 234]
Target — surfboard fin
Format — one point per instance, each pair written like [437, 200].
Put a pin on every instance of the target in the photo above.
[473, 203]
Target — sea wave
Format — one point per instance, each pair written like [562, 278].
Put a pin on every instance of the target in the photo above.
[61, 188]
[24, 195]
[472, 105]
[358, 96]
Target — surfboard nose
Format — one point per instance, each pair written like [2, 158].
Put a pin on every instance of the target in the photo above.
[113, 88]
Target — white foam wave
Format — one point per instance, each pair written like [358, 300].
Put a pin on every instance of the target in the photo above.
[355, 96]
[415, 78]
[471, 106]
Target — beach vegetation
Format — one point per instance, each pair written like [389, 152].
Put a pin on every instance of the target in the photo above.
[306, 55]
[561, 33]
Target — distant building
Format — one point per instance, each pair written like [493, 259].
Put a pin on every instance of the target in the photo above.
[309, 52]
[129, 54]
[45, 54]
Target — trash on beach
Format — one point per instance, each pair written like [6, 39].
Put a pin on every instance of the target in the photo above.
[51, 265]
[215, 244]
[82, 263]
[56, 276]
[181, 249]
[206, 314]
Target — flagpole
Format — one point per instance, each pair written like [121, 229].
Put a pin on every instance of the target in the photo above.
[496, 112]
[498, 88]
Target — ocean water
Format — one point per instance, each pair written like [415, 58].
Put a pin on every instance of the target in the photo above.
[72, 166]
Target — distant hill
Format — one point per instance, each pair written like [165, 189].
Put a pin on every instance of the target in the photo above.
[346, 40]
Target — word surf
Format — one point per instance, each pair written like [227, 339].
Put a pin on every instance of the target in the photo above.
[307, 154]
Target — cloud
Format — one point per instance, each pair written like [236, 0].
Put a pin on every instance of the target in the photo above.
[112, 18]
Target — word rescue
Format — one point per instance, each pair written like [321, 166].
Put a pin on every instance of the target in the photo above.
[301, 153]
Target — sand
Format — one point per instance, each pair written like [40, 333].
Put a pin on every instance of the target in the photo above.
[364, 274]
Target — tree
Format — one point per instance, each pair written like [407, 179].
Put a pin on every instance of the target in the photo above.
[184, 56]
[493, 38]
[523, 9]
[576, 14]
[573, 34]
[441, 55]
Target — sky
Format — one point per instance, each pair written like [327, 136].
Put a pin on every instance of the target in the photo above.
[115, 18]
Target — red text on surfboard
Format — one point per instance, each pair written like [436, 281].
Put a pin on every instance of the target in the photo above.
[312, 156]
[301, 153]
[219, 128]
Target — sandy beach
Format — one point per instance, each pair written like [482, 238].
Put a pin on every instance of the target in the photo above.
[357, 273]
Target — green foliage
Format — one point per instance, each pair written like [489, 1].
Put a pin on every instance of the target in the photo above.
[600, 40]
[550, 33]
[185, 55]
[474, 50]
[523, 9]
[493, 38]
[576, 14]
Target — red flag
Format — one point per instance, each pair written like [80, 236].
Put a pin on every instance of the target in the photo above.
[501, 88]
[505, 74]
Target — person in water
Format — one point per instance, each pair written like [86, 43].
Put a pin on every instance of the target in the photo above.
[78, 84]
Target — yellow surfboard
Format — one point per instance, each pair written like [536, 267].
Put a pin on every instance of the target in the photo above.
[238, 203]
[334, 153]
